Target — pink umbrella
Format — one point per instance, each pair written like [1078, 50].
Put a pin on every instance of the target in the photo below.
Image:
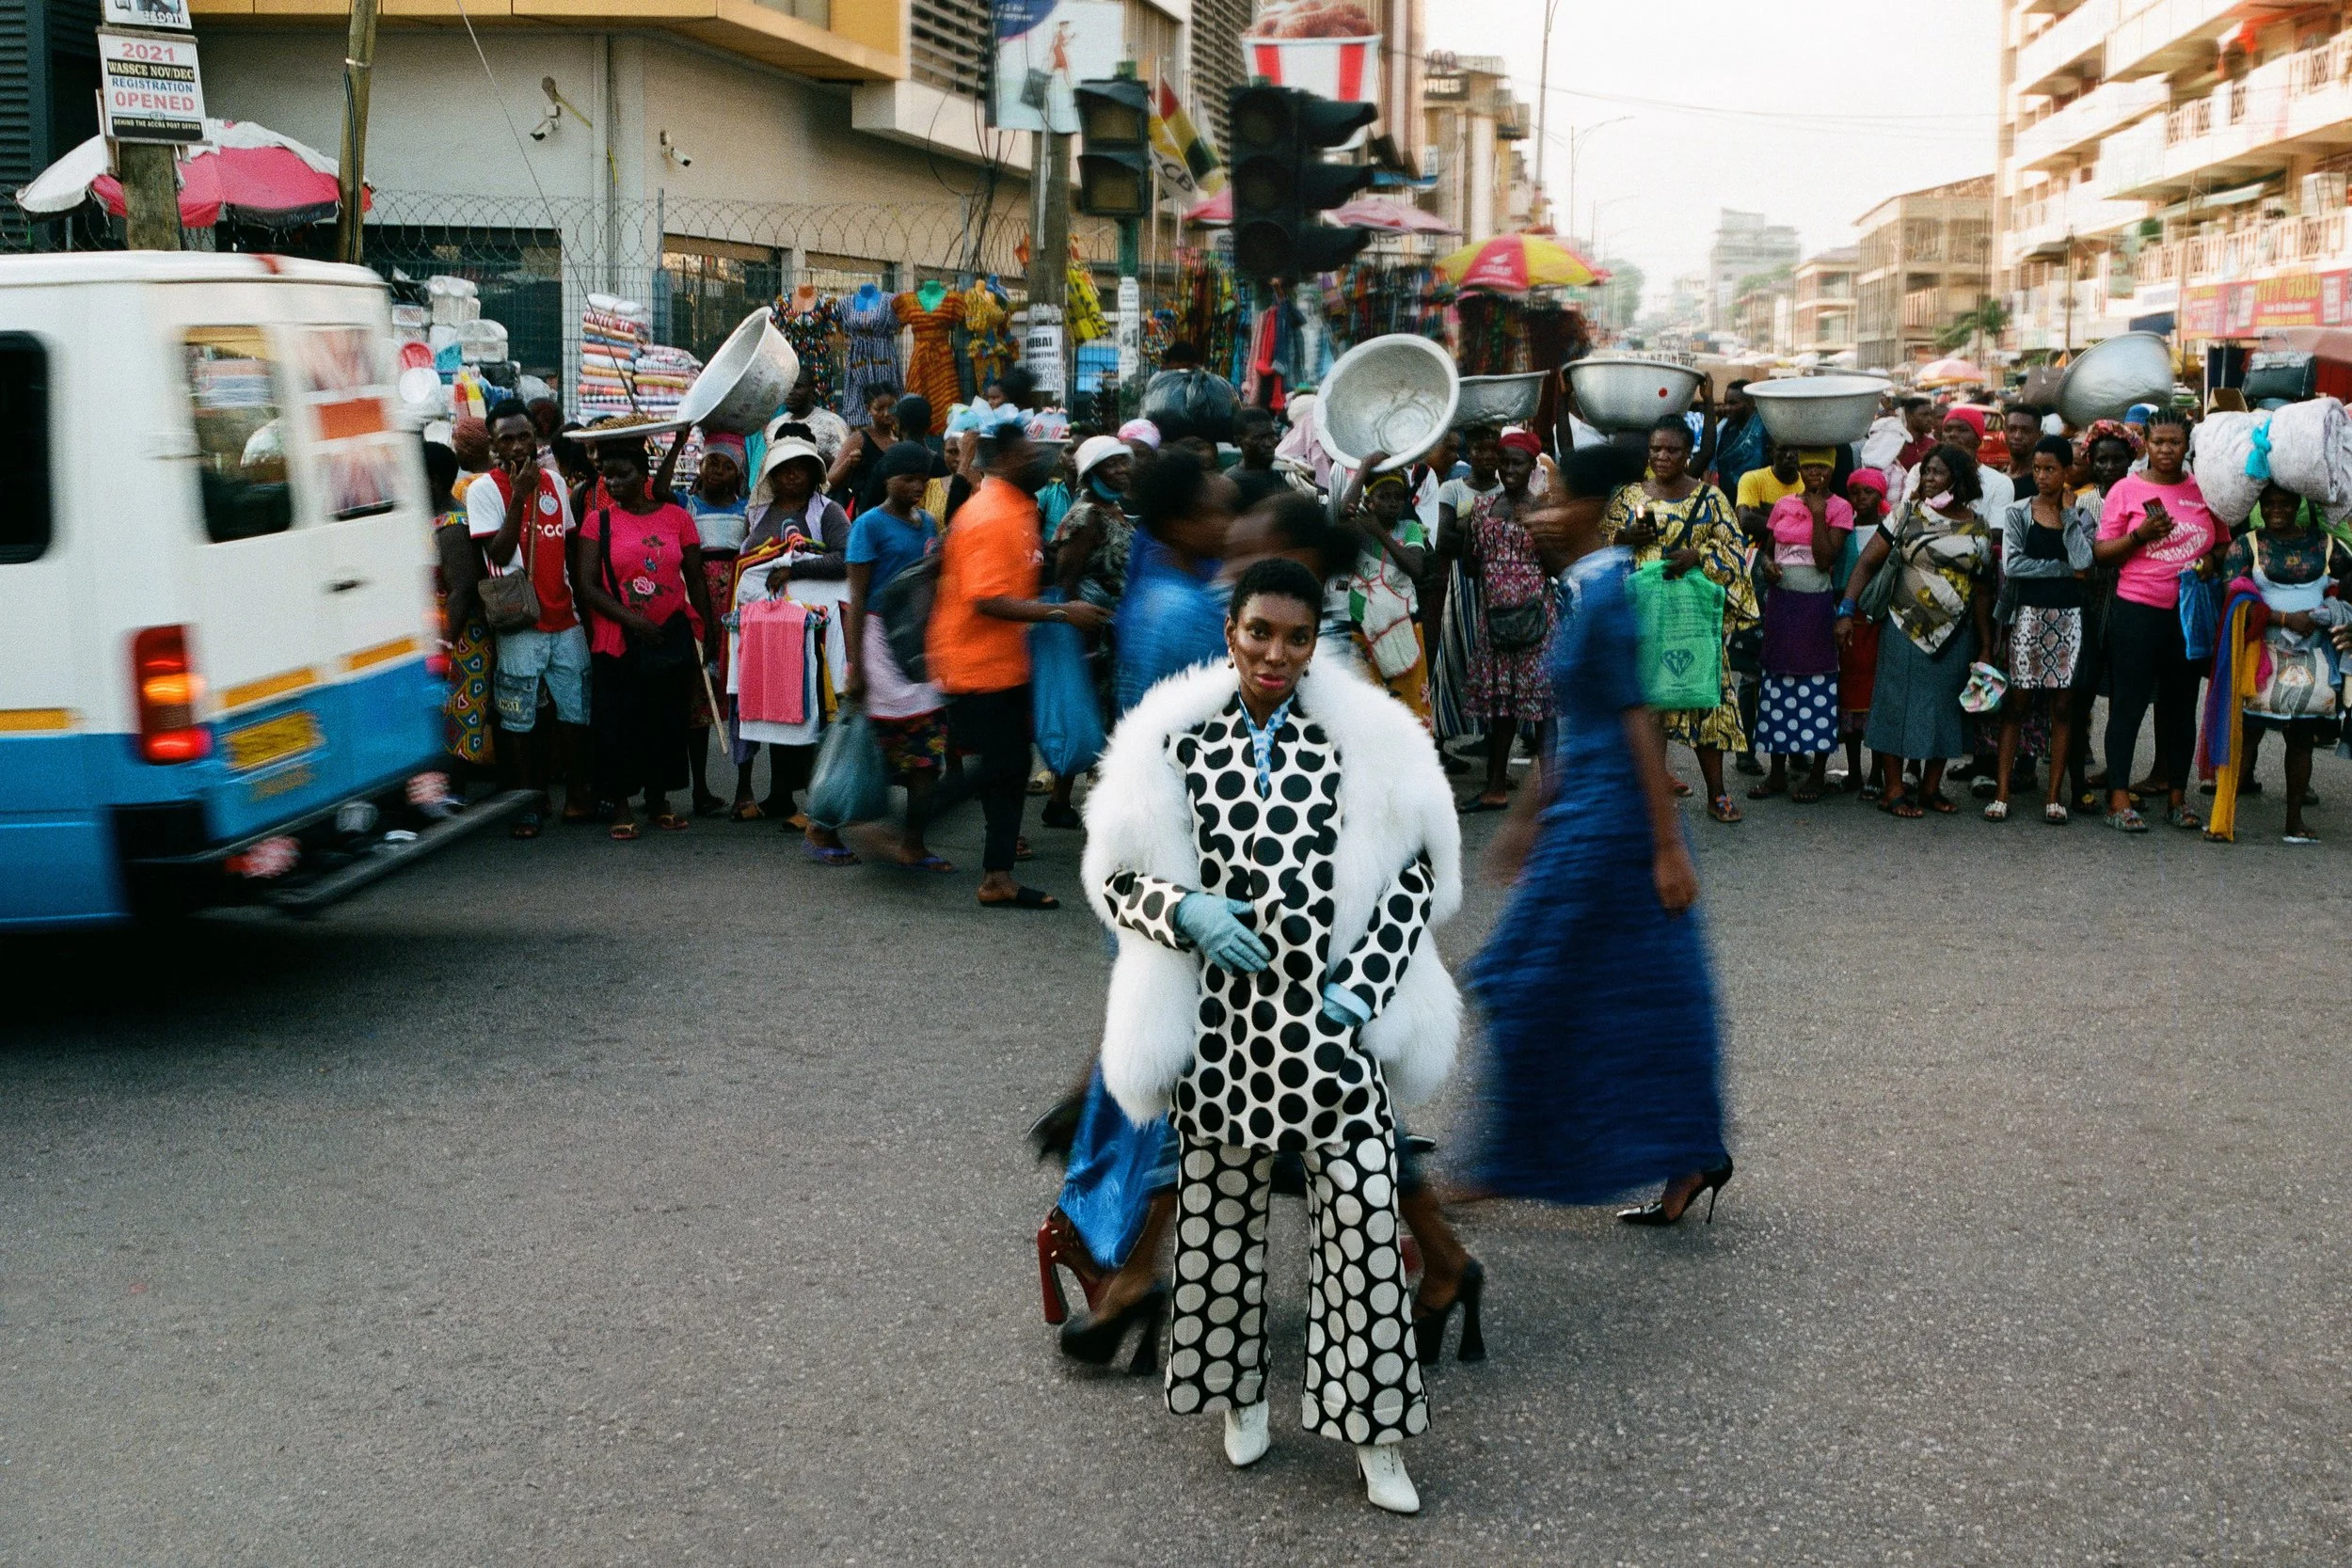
[243, 172]
[1383, 212]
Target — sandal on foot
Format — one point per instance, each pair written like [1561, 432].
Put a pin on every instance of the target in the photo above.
[2306, 837]
[1904, 807]
[1766, 791]
[1681, 791]
[748, 811]
[526, 826]
[1874, 792]
[828, 854]
[1022, 898]
[624, 831]
[1021, 850]
[1722, 809]
[1806, 794]
[1060, 816]
[670, 821]
[929, 862]
[1477, 803]
[1943, 804]
[2183, 818]
[710, 805]
[1997, 812]
[2056, 815]
[2127, 821]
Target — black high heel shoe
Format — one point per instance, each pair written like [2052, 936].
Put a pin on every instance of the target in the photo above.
[1654, 1211]
[1429, 1327]
[1096, 1340]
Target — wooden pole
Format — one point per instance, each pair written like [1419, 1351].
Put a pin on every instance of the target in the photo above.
[150, 195]
[359, 67]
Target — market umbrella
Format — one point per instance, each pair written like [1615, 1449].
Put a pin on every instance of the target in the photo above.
[1388, 214]
[1513, 263]
[240, 172]
[1948, 373]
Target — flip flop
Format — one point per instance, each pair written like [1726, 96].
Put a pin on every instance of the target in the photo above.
[1943, 804]
[1806, 797]
[624, 832]
[2183, 818]
[2306, 837]
[1022, 898]
[1905, 808]
[828, 854]
[929, 862]
[1477, 803]
[2056, 815]
[1997, 812]
[1766, 791]
[748, 811]
[672, 822]
[2127, 821]
[1723, 811]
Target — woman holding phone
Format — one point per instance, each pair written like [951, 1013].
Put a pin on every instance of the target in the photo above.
[2155, 527]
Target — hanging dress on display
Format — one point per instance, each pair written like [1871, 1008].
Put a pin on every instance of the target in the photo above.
[988, 336]
[814, 331]
[931, 371]
[870, 317]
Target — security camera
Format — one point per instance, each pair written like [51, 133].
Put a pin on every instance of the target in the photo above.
[554, 112]
[677, 155]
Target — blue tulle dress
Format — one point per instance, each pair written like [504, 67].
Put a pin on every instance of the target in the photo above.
[1603, 1061]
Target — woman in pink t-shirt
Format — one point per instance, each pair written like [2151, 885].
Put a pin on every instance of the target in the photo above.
[1796, 709]
[2155, 526]
[637, 566]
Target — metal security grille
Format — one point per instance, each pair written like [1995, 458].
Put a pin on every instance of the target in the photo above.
[1216, 62]
[949, 49]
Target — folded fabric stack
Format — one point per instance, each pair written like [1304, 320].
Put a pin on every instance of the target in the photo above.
[612, 330]
[662, 376]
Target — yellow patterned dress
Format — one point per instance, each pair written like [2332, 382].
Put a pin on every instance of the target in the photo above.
[1702, 520]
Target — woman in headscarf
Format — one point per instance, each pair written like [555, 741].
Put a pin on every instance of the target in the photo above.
[2046, 551]
[1378, 596]
[1273, 842]
[717, 504]
[1506, 686]
[1858, 656]
[1604, 1058]
[789, 513]
[1796, 714]
[1942, 613]
[1676, 516]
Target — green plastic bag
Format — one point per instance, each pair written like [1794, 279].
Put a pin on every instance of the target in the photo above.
[1681, 622]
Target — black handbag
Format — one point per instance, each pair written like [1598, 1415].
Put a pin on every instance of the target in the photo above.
[1514, 629]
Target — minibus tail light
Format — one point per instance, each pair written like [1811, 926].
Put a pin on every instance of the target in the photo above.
[169, 691]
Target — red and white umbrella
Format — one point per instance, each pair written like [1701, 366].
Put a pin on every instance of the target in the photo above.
[240, 171]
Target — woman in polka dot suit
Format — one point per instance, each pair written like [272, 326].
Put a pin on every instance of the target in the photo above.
[1272, 848]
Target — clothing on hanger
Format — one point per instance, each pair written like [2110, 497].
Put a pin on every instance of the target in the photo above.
[870, 318]
[931, 371]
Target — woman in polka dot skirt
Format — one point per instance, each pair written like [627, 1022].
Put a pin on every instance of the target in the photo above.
[1272, 848]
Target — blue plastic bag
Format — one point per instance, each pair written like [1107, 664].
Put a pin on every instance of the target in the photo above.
[1066, 717]
[2201, 616]
[849, 784]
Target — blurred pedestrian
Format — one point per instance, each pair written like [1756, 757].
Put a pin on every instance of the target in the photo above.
[1379, 596]
[908, 716]
[718, 504]
[1858, 656]
[1506, 686]
[466, 637]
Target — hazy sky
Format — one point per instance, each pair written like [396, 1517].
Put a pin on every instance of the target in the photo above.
[1816, 109]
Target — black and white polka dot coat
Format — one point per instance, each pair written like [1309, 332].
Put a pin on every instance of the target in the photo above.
[1270, 1070]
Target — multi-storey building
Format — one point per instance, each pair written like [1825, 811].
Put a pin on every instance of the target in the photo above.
[1926, 258]
[48, 87]
[1763, 314]
[1745, 245]
[1473, 127]
[1824, 304]
[2176, 163]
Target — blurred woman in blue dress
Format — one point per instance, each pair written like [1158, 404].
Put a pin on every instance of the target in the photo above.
[1604, 1061]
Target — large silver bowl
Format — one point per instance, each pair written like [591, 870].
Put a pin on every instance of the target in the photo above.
[1816, 410]
[1499, 399]
[746, 381]
[1624, 391]
[1394, 394]
[2109, 376]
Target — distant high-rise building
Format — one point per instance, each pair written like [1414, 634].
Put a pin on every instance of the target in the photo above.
[1745, 244]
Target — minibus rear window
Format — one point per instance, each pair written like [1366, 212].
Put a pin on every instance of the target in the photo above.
[240, 439]
[24, 446]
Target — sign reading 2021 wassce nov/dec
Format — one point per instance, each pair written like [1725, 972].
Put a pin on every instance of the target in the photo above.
[150, 90]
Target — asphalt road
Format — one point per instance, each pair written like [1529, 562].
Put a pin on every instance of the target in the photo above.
[662, 1204]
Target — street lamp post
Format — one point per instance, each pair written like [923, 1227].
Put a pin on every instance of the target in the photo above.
[1575, 150]
[1543, 100]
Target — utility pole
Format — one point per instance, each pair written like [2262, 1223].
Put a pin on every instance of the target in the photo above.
[359, 67]
[150, 194]
[1542, 117]
[1049, 243]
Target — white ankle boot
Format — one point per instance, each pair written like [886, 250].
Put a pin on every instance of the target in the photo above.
[1386, 1484]
[1246, 1434]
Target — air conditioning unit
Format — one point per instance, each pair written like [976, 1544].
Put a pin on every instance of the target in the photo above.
[2323, 194]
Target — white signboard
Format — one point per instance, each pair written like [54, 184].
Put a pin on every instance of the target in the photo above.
[150, 90]
[1041, 350]
[1044, 49]
[146, 13]
[1130, 329]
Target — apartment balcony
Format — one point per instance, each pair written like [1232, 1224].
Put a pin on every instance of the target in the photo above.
[2316, 244]
[2039, 318]
[2040, 230]
[2072, 48]
[2157, 38]
[1933, 310]
[2240, 132]
[2095, 115]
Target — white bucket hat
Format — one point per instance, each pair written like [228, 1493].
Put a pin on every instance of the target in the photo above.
[1096, 448]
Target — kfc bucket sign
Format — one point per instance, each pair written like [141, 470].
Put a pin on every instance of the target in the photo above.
[1330, 48]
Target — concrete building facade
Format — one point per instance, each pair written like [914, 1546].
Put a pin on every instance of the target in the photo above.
[1745, 244]
[1823, 304]
[1926, 257]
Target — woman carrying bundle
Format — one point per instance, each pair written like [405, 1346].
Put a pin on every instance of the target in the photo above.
[1796, 714]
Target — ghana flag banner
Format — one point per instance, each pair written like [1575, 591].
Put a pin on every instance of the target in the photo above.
[1188, 167]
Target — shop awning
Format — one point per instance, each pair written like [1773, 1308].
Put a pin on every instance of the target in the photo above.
[2230, 197]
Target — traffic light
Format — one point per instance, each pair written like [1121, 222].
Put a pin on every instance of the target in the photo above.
[1280, 182]
[1115, 171]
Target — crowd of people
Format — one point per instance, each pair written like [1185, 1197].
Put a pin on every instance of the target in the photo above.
[1296, 678]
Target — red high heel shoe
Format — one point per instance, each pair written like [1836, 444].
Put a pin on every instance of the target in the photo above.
[1057, 1243]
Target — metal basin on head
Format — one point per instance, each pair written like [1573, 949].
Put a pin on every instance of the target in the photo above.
[2110, 375]
[746, 381]
[1816, 410]
[1394, 394]
[1499, 399]
[1625, 391]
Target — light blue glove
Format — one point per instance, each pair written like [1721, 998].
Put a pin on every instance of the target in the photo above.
[1345, 1008]
[1226, 943]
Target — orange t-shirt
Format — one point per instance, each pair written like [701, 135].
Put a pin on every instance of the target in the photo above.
[991, 552]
